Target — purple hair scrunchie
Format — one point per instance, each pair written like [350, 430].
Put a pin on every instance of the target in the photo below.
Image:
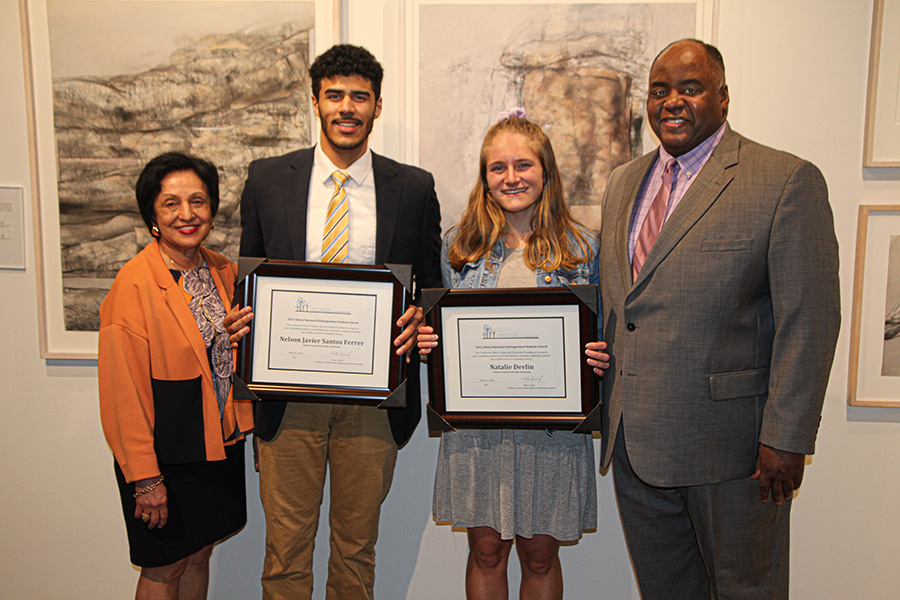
[518, 111]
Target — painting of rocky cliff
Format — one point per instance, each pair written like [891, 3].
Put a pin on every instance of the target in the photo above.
[890, 357]
[580, 70]
[224, 80]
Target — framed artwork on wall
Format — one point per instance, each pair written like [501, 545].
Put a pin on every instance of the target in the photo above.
[579, 68]
[113, 83]
[874, 377]
[882, 139]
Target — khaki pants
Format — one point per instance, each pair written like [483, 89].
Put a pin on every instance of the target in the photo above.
[356, 442]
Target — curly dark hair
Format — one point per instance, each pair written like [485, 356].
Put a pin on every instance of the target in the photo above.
[149, 184]
[345, 60]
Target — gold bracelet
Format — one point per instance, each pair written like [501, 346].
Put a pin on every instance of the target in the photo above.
[149, 488]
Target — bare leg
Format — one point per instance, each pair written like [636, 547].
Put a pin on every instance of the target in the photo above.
[486, 567]
[195, 580]
[160, 583]
[541, 570]
[187, 579]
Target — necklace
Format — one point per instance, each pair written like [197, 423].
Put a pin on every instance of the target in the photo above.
[177, 267]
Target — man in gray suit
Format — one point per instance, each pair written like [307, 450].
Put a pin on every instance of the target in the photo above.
[719, 270]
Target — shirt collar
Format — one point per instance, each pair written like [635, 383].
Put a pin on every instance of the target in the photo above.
[358, 171]
[690, 163]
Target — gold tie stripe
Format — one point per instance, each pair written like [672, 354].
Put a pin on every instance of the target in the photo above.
[336, 241]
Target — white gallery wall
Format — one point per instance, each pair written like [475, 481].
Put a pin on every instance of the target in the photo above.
[797, 75]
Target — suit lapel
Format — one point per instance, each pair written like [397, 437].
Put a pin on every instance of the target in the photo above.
[295, 199]
[175, 300]
[712, 179]
[388, 194]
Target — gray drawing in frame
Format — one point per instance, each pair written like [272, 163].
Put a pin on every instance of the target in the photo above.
[890, 360]
[224, 80]
[580, 70]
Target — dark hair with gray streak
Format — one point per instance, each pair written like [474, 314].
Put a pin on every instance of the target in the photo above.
[149, 184]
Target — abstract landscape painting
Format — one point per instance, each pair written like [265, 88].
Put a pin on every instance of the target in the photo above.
[580, 70]
[224, 80]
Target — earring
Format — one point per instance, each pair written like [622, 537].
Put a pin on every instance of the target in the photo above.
[212, 226]
[154, 231]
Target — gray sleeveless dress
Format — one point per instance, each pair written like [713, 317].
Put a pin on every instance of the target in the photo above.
[519, 482]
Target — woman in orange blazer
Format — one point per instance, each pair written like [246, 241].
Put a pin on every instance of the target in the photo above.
[165, 363]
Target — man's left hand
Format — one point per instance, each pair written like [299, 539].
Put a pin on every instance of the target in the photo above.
[779, 473]
[410, 321]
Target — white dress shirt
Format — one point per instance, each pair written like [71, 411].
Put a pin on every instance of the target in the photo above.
[361, 197]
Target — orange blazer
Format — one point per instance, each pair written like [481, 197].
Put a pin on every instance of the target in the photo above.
[157, 400]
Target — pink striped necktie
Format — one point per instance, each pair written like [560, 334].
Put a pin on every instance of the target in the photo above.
[653, 222]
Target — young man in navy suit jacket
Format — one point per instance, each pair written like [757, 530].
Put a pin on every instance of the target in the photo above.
[394, 217]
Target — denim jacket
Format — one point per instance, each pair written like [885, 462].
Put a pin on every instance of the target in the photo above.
[484, 272]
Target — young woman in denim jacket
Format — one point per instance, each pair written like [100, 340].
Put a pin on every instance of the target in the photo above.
[536, 488]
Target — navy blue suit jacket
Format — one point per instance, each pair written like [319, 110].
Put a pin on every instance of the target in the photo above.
[408, 231]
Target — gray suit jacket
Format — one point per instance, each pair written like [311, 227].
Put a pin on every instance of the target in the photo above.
[727, 337]
[408, 231]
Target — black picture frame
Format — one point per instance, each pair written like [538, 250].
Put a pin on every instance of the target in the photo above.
[393, 283]
[580, 303]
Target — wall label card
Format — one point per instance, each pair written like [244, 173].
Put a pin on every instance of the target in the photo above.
[12, 228]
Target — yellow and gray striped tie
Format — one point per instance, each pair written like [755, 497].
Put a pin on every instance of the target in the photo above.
[335, 242]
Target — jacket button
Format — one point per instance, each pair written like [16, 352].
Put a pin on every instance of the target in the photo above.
[547, 278]
[630, 327]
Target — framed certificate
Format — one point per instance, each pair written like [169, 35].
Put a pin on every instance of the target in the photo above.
[512, 357]
[322, 332]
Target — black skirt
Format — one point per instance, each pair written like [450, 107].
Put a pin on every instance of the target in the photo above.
[207, 502]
